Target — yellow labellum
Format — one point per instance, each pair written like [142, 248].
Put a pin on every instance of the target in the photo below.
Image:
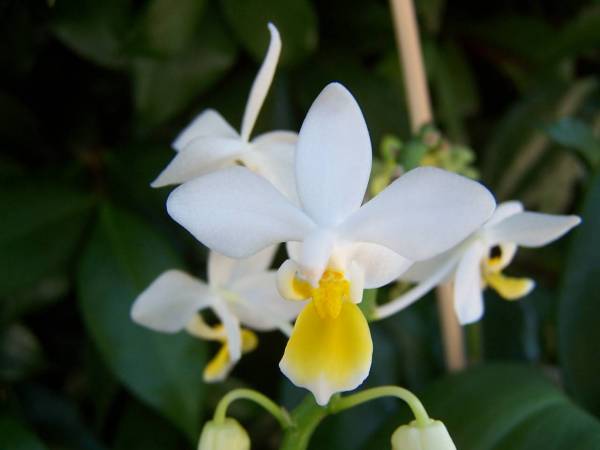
[330, 348]
[508, 288]
[218, 367]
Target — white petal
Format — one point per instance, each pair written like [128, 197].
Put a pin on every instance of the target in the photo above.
[202, 155]
[208, 123]
[232, 328]
[422, 270]
[222, 271]
[273, 158]
[422, 214]
[170, 302]
[531, 229]
[236, 212]
[468, 298]
[379, 264]
[260, 306]
[503, 211]
[261, 84]
[333, 158]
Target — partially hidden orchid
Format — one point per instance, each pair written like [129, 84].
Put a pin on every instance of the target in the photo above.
[478, 262]
[210, 143]
[242, 295]
[338, 247]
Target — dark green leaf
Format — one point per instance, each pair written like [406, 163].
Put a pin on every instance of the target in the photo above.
[579, 334]
[168, 26]
[40, 228]
[295, 20]
[576, 135]
[501, 407]
[15, 436]
[164, 87]
[165, 371]
[94, 29]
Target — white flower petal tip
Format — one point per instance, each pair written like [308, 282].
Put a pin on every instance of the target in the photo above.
[328, 355]
[170, 302]
[236, 212]
[201, 155]
[468, 298]
[432, 436]
[208, 123]
[422, 214]
[532, 229]
[333, 157]
[261, 84]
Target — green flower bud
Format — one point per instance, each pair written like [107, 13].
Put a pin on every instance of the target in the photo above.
[433, 436]
[228, 435]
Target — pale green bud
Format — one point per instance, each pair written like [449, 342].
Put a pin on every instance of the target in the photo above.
[228, 435]
[433, 436]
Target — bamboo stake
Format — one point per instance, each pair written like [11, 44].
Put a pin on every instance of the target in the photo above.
[419, 106]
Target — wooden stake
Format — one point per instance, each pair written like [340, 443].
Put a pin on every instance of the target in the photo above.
[419, 107]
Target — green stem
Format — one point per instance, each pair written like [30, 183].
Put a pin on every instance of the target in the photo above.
[279, 413]
[306, 417]
[411, 399]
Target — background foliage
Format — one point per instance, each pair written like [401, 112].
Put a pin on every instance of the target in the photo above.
[91, 94]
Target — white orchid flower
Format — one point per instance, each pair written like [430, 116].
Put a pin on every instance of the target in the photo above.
[209, 143]
[239, 292]
[342, 247]
[478, 262]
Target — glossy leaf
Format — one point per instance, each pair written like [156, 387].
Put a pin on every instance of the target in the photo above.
[164, 371]
[295, 19]
[163, 87]
[168, 26]
[501, 407]
[40, 229]
[95, 30]
[576, 135]
[579, 334]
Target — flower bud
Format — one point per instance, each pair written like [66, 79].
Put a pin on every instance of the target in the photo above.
[433, 436]
[228, 435]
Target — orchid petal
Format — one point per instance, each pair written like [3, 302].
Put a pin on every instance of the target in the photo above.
[260, 306]
[261, 84]
[379, 264]
[503, 211]
[328, 355]
[531, 229]
[273, 158]
[333, 158]
[208, 123]
[468, 298]
[171, 302]
[222, 271]
[202, 155]
[422, 214]
[231, 324]
[236, 212]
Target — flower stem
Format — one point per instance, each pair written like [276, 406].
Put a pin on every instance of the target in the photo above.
[276, 411]
[306, 417]
[411, 399]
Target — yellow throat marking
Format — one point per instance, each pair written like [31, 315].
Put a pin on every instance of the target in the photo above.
[333, 289]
